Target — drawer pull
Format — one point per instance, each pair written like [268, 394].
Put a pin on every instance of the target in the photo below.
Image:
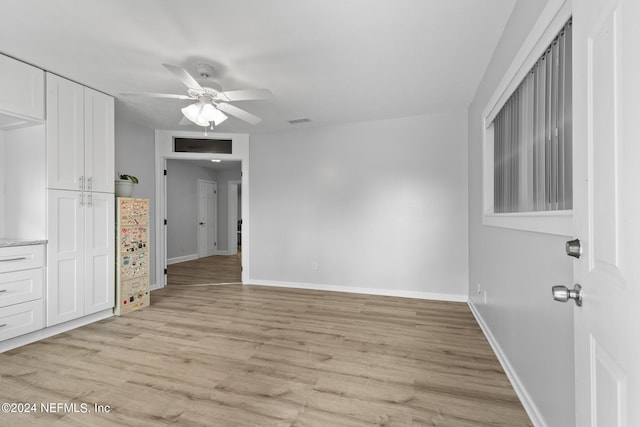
[3, 325]
[14, 259]
[2, 290]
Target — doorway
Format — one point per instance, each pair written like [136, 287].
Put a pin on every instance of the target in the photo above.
[164, 153]
[199, 248]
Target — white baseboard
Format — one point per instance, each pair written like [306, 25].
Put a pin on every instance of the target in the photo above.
[359, 290]
[53, 330]
[529, 406]
[182, 259]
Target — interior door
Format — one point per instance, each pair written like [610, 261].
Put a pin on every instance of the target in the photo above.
[607, 212]
[207, 218]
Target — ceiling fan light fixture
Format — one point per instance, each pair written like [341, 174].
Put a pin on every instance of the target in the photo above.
[192, 112]
[203, 114]
[212, 103]
[212, 114]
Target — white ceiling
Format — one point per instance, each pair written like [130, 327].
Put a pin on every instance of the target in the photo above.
[225, 165]
[332, 61]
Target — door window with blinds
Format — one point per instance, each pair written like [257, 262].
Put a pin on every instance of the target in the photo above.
[531, 136]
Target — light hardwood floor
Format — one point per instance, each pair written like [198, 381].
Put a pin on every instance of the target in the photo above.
[212, 269]
[233, 355]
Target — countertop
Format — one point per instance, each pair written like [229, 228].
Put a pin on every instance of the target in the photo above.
[7, 243]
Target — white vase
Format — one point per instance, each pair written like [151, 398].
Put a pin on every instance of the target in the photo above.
[124, 188]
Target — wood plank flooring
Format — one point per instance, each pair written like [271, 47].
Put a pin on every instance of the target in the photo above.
[212, 269]
[233, 355]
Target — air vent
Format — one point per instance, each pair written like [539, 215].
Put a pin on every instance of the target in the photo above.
[299, 121]
[200, 145]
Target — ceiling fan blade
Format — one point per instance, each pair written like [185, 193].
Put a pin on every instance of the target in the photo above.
[237, 112]
[247, 94]
[183, 76]
[185, 122]
[156, 95]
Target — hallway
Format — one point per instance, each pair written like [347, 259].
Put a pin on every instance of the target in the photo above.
[208, 270]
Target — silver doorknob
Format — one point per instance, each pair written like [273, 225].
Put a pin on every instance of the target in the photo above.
[563, 294]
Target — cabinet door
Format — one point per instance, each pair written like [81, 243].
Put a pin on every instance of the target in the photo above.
[65, 134]
[21, 89]
[99, 141]
[65, 256]
[99, 252]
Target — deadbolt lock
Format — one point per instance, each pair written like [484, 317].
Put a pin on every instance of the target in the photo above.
[574, 248]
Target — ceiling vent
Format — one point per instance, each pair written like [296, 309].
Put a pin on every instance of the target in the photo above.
[299, 121]
[202, 145]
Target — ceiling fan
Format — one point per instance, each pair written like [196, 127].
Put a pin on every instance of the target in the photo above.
[211, 104]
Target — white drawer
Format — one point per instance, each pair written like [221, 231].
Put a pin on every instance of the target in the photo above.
[17, 258]
[21, 286]
[19, 319]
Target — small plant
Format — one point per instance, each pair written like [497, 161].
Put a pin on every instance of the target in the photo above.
[129, 178]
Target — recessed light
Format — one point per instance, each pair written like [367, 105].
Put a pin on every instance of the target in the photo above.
[216, 160]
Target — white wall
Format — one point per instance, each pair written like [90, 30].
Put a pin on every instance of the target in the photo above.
[182, 206]
[517, 269]
[25, 151]
[23, 183]
[380, 206]
[134, 155]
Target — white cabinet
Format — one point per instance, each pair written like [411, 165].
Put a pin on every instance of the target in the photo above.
[80, 201]
[80, 137]
[99, 141]
[99, 252]
[21, 289]
[65, 134]
[21, 89]
[80, 254]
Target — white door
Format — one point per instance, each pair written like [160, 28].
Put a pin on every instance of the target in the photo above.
[99, 141]
[99, 252]
[233, 217]
[607, 211]
[207, 218]
[65, 256]
[65, 134]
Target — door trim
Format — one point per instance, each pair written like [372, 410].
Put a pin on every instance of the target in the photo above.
[163, 152]
[232, 226]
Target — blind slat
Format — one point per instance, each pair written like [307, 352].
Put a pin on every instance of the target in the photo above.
[532, 136]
